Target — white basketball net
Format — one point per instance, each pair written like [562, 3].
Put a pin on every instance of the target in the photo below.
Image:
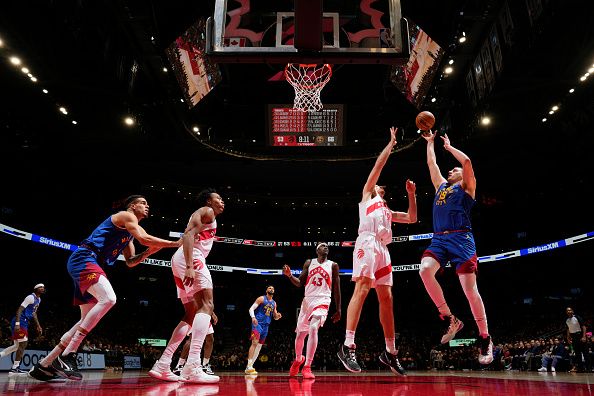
[308, 81]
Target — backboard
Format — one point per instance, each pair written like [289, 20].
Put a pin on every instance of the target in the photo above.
[308, 31]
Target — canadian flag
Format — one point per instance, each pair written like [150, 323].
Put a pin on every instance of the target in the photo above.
[234, 42]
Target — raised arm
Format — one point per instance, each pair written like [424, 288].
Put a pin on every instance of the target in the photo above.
[336, 292]
[436, 178]
[302, 280]
[410, 216]
[379, 165]
[468, 179]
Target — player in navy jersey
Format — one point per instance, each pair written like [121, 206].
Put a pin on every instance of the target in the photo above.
[27, 312]
[261, 312]
[453, 242]
[92, 291]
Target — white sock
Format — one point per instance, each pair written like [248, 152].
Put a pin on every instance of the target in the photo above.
[250, 363]
[391, 345]
[179, 333]
[16, 364]
[349, 338]
[10, 349]
[199, 330]
[205, 361]
[256, 353]
[75, 342]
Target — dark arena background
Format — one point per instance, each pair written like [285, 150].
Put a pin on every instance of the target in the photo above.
[107, 98]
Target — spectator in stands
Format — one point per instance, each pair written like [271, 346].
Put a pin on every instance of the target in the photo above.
[552, 356]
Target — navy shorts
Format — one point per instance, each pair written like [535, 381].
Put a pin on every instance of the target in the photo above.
[458, 248]
[259, 332]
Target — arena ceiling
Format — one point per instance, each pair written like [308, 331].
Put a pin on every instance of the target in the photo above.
[102, 60]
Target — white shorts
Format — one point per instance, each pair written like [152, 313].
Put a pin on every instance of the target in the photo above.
[203, 279]
[312, 306]
[210, 330]
[371, 259]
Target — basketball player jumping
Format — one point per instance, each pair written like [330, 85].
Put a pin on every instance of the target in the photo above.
[453, 242]
[371, 263]
[260, 312]
[319, 287]
[92, 291]
[26, 312]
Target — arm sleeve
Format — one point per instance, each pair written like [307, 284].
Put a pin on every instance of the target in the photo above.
[252, 309]
[28, 301]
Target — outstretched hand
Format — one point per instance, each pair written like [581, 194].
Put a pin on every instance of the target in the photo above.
[411, 187]
[446, 142]
[287, 271]
[429, 135]
[393, 136]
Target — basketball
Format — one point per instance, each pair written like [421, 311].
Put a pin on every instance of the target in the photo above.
[425, 120]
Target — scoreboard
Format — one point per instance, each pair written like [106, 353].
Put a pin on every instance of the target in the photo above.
[290, 127]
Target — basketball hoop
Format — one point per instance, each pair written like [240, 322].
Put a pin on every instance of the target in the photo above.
[308, 81]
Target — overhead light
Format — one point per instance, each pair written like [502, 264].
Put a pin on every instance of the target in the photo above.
[571, 90]
[555, 108]
[583, 78]
[34, 79]
[433, 100]
[485, 120]
[587, 75]
[1, 43]
[28, 74]
[451, 62]
[196, 129]
[544, 120]
[448, 70]
[253, 140]
[63, 110]
[230, 140]
[462, 38]
[591, 70]
[165, 70]
[129, 121]
[551, 112]
[356, 140]
[181, 100]
[74, 122]
[25, 70]
[44, 91]
[15, 61]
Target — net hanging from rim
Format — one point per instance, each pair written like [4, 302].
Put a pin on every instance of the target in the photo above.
[308, 81]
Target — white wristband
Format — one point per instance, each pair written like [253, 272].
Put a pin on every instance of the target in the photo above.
[17, 323]
[252, 315]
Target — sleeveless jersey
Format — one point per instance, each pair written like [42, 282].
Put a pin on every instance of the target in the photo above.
[205, 239]
[319, 279]
[264, 311]
[375, 217]
[451, 209]
[107, 241]
[28, 312]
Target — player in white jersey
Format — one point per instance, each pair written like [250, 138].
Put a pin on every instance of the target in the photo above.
[194, 289]
[372, 267]
[320, 279]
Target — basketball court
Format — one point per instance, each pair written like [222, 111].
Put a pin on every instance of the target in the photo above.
[340, 383]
